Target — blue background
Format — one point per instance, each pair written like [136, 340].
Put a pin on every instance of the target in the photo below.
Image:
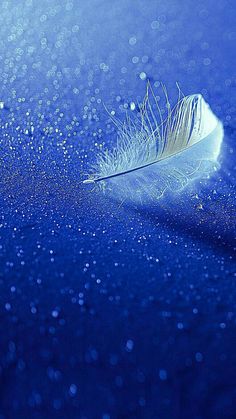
[112, 311]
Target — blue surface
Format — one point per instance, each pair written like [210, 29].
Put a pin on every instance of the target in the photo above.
[112, 311]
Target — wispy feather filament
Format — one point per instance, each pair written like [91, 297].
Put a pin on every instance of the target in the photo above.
[152, 157]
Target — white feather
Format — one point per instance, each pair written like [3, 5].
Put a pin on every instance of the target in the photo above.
[152, 157]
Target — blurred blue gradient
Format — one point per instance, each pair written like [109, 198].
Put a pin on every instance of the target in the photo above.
[110, 311]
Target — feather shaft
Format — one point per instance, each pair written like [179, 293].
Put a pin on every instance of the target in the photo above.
[151, 158]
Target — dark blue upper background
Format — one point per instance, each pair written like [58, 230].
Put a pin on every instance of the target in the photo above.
[109, 311]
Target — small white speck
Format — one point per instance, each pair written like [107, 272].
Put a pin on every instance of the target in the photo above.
[55, 313]
[155, 24]
[129, 345]
[143, 75]
[132, 106]
[132, 40]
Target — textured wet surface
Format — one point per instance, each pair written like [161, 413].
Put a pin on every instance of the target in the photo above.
[108, 310]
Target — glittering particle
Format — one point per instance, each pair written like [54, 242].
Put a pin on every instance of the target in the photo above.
[143, 75]
[145, 59]
[129, 345]
[155, 24]
[135, 60]
[104, 67]
[33, 310]
[199, 206]
[132, 40]
[55, 313]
